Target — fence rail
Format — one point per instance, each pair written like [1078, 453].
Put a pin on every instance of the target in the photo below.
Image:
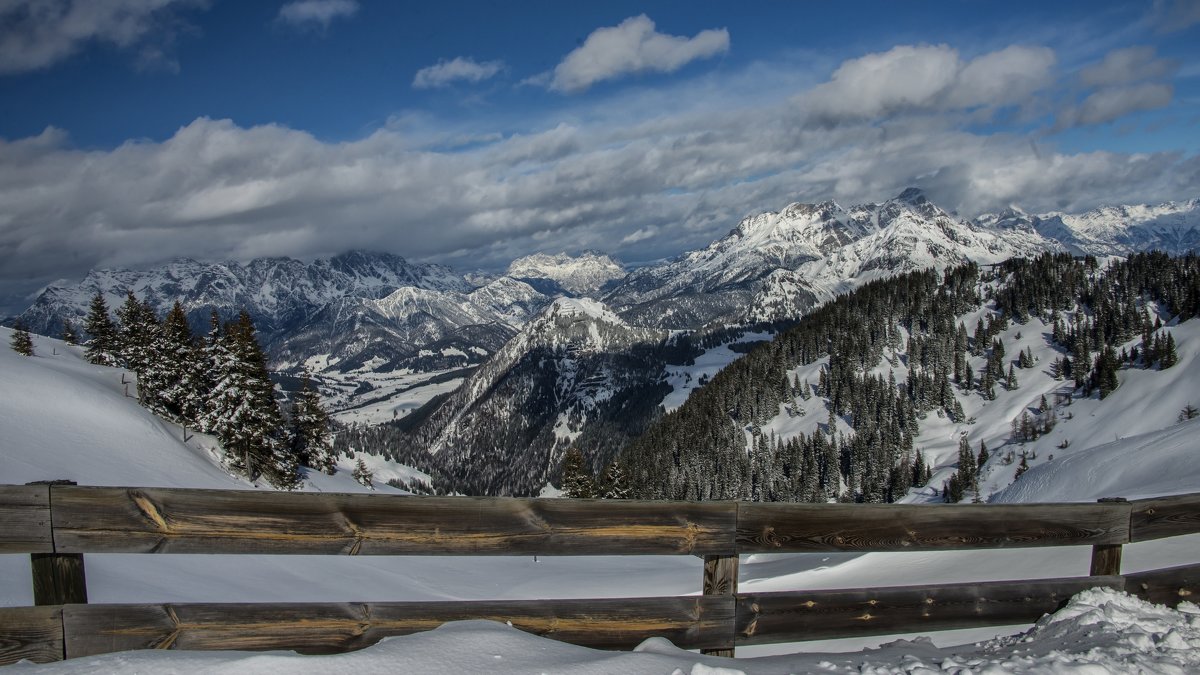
[57, 524]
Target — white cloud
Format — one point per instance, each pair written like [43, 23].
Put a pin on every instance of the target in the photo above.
[633, 46]
[36, 34]
[460, 68]
[625, 178]
[303, 13]
[1111, 103]
[931, 78]
[1123, 66]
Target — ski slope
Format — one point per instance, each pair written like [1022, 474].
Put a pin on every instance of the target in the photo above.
[65, 418]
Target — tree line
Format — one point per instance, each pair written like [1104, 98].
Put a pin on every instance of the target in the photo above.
[216, 383]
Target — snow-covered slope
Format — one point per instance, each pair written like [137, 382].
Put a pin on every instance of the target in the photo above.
[64, 418]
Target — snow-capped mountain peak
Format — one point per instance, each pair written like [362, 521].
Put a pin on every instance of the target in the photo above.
[584, 274]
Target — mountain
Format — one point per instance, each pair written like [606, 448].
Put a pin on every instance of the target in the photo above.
[583, 275]
[1173, 227]
[574, 368]
[777, 265]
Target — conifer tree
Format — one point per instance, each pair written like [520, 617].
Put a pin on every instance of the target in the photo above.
[362, 474]
[1022, 467]
[615, 482]
[242, 411]
[69, 334]
[177, 377]
[1169, 354]
[983, 454]
[22, 342]
[103, 345]
[576, 479]
[312, 444]
[1188, 412]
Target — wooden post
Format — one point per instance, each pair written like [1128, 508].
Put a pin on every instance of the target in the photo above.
[1106, 558]
[58, 578]
[720, 578]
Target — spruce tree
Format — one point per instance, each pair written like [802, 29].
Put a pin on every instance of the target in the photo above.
[615, 483]
[69, 334]
[22, 342]
[103, 344]
[1169, 354]
[178, 380]
[576, 479]
[362, 474]
[242, 411]
[312, 444]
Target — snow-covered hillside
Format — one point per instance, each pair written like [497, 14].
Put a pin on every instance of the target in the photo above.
[64, 418]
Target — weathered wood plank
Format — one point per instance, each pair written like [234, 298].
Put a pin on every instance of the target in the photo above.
[908, 527]
[25, 519]
[58, 578]
[162, 520]
[765, 618]
[226, 521]
[322, 628]
[1106, 560]
[1165, 517]
[721, 580]
[34, 633]
[1168, 586]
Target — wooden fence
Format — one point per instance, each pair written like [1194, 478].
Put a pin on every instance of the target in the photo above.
[58, 523]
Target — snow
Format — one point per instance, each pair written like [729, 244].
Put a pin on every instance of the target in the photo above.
[686, 379]
[65, 418]
[1099, 631]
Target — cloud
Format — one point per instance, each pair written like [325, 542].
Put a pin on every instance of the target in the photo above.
[931, 78]
[310, 13]
[1111, 103]
[1176, 15]
[633, 46]
[624, 178]
[1123, 66]
[36, 34]
[443, 73]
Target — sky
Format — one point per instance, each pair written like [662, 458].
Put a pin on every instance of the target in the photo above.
[471, 133]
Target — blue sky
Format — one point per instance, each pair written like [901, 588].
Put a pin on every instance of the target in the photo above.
[134, 131]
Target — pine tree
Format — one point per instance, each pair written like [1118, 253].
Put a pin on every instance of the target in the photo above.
[176, 376]
[242, 412]
[1169, 355]
[967, 462]
[1188, 412]
[22, 342]
[576, 479]
[615, 482]
[362, 474]
[69, 335]
[1022, 467]
[983, 454]
[1010, 381]
[312, 444]
[103, 345]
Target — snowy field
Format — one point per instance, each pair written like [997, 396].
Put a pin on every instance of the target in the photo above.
[64, 418]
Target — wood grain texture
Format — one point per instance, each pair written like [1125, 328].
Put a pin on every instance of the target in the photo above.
[162, 520]
[764, 528]
[1166, 586]
[1106, 560]
[34, 633]
[25, 519]
[721, 580]
[765, 618]
[1165, 517]
[58, 578]
[323, 628]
